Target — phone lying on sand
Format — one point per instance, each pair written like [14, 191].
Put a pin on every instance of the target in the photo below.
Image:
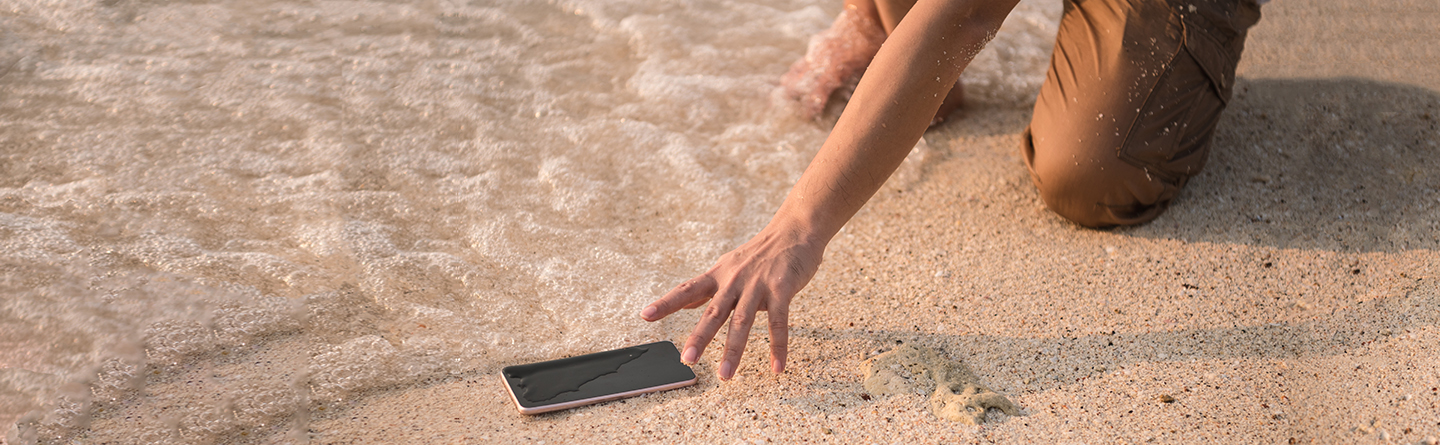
[594, 378]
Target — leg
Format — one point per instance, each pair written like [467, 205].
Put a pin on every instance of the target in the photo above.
[888, 12]
[840, 55]
[835, 56]
[1130, 103]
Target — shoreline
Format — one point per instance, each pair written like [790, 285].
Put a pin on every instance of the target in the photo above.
[1290, 295]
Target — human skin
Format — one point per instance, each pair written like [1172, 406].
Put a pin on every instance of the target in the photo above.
[891, 108]
[889, 13]
[845, 50]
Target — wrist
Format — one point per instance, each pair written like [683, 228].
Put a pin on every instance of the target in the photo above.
[800, 230]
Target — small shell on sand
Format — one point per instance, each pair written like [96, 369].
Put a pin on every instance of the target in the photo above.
[956, 394]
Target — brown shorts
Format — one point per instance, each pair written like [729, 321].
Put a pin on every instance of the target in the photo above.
[1130, 103]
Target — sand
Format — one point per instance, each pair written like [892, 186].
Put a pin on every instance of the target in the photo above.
[956, 394]
[1291, 295]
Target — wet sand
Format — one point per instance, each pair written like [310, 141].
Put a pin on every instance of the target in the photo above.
[1289, 296]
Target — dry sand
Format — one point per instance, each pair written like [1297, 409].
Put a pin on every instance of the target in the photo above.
[1290, 295]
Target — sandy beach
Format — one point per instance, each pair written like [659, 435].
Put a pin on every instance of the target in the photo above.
[1290, 295]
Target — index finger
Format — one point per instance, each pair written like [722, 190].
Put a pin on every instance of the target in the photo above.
[687, 294]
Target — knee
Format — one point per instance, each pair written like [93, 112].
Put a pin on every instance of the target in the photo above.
[1092, 198]
[1094, 188]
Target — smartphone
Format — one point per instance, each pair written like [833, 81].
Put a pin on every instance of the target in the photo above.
[594, 378]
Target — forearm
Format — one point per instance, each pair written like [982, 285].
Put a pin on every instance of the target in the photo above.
[891, 107]
[890, 110]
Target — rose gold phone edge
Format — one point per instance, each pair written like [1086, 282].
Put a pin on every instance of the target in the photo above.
[592, 400]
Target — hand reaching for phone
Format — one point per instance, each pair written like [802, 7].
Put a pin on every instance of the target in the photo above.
[891, 107]
[763, 274]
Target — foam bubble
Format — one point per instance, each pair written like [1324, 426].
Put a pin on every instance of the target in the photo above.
[359, 364]
[168, 342]
[238, 324]
[259, 404]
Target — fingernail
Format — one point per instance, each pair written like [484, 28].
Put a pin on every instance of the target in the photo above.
[649, 312]
[778, 367]
[690, 356]
[727, 370]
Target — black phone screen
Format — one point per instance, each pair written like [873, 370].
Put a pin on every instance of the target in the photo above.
[591, 378]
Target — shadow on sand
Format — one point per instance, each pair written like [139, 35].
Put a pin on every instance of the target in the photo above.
[1332, 164]
[1047, 363]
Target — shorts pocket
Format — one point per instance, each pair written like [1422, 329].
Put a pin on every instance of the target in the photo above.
[1170, 137]
[1214, 57]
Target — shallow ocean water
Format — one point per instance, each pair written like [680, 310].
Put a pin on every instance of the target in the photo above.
[216, 217]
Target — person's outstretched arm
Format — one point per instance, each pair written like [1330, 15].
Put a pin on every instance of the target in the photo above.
[891, 107]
